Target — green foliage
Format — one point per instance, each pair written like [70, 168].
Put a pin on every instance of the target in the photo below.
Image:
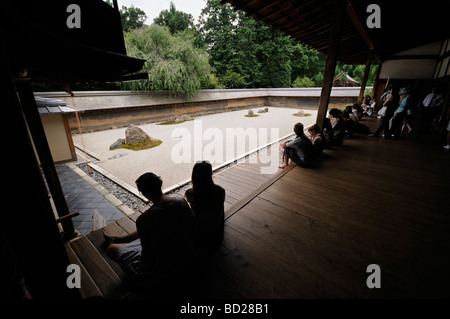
[318, 79]
[227, 49]
[307, 62]
[238, 45]
[303, 82]
[302, 115]
[172, 61]
[357, 72]
[142, 146]
[233, 80]
[175, 20]
[173, 122]
[132, 18]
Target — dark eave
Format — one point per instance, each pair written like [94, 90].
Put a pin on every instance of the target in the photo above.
[37, 41]
[404, 25]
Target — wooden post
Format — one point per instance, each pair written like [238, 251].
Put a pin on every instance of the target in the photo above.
[376, 85]
[28, 223]
[365, 77]
[330, 65]
[31, 112]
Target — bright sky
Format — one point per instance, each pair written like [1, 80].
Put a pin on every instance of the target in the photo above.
[152, 8]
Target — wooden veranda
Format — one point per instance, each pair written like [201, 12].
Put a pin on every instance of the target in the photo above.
[302, 233]
[312, 233]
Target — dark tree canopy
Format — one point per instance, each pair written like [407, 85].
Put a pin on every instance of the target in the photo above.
[132, 18]
[175, 20]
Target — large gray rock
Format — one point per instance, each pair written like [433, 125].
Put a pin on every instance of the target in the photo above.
[134, 135]
[119, 143]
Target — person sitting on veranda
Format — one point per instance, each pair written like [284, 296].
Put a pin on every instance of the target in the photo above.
[356, 110]
[207, 205]
[162, 245]
[337, 123]
[298, 150]
[349, 126]
[365, 105]
[317, 139]
[349, 110]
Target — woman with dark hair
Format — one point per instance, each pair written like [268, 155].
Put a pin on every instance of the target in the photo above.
[298, 150]
[207, 205]
[317, 139]
[162, 245]
[337, 123]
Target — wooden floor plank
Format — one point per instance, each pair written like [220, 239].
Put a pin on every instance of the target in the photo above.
[88, 287]
[257, 271]
[101, 272]
[311, 233]
[343, 218]
[252, 177]
[233, 188]
[98, 241]
[239, 185]
[384, 205]
[127, 224]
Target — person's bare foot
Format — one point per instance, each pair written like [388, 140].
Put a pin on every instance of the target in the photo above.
[282, 166]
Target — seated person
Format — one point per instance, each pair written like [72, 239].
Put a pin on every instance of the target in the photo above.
[337, 123]
[349, 110]
[162, 246]
[367, 108]
[298, 150]
[373, 106]
[207, 205]
[356, 110]
[317, 139]
[349, 126]
[327, 132]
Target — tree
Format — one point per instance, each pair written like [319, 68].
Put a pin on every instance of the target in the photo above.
[175, 20]
[233, 80]
[303, 82]
[238, 45]
[172, 61]
[217, 24]
[132, 18]
[357, 72]
[276, 52]
[307, 62]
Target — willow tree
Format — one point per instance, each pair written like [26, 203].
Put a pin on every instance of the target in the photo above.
[172, 61]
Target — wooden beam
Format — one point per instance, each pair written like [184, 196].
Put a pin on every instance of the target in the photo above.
[414, 57]
[287, 7]
[31, 233]
[73, 153]
[298, 14]
[33, 118]
[365, 77]
[360, 28]
[376, 88]
[268, 6]
[331, 61]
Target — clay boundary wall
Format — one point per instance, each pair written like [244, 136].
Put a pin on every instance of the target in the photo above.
[112, 109]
